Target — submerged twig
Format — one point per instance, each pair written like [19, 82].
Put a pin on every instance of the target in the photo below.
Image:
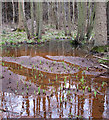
[100, 58]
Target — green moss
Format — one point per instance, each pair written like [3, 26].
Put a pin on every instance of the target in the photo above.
[38, 40]
[2, 43]
[13, 37]
[104, 61]
[99, 49]
[11, 41]
[20, 30]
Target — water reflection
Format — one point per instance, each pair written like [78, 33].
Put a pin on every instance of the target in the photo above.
[51, 107]
[63, 103]
[52, 48]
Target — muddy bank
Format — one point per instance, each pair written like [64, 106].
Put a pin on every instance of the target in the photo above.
[80, 61]
[58, 64]
[42, 64]
[25, 75]
[15, 83]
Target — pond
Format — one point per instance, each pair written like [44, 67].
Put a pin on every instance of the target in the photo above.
[52, 80]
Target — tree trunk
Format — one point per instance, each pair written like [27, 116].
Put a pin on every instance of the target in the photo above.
[13, 12]
[6, 13]
[51, 14]
[0, 19]
[39, 20]
[90, 24]
[24, 19]
[48, 13]
[64, 18]
[37, 15]
[81, 21]
[69, 19]
[100, 26]
[54, 15]
[73, 18]
[20, 24]
[32, 19]
[108, 21]
[59, 14]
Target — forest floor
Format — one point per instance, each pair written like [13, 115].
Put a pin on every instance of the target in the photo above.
[11, 37]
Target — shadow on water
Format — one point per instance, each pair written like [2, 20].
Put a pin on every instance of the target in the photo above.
[70, 94]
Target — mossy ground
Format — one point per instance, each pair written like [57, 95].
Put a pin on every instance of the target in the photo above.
[9, 37]
[103, 52]
[99, 49]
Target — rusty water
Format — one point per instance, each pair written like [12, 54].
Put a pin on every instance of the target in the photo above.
[66, 96]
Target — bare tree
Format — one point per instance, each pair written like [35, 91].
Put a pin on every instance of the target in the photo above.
[13, 11]
[69, 19]
[6, 13]
[59, 14]
[81, 21]
[90, 23]
[54, 14]
[64, 18]
[20, 24]
[39, 19]
[108, 21]
[100, 26]
[24, 19]
[32, 19]
[73, 10]
[0, 18]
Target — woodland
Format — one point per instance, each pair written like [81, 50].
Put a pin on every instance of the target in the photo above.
[54, 59]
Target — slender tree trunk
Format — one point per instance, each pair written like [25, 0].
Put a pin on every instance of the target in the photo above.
[59, 14]
[13, 12]
[81, 21]
[54, 15]
[73, 11]
[24, 19]
[100, 26]
[39, 20]
[64, 18]
[76, 11]
[69, 19]
[108, 21]
[32, 19]
[48, 12]
[20, 24]
[37, 15]
[0, 19]
[90, 23]
[73, 16]
[6, 14]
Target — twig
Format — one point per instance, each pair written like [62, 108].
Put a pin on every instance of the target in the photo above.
[105, 66]
[100, 58]
[87, 55]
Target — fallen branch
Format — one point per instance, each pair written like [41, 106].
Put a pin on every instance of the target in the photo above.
[87, 55]
[100, 58]
[105, 66]
[102, 74]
